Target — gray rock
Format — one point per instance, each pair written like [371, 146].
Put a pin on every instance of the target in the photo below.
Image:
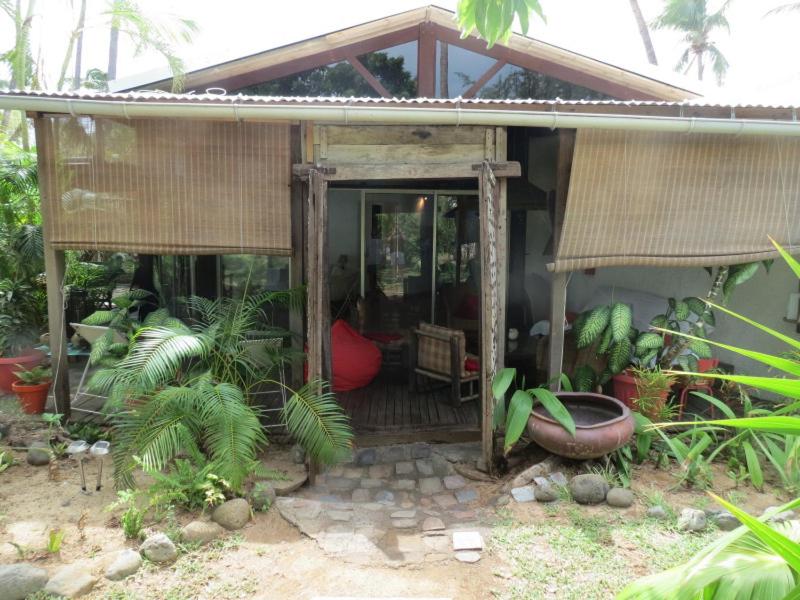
[466, 495]
[371, 484]
[523, 494]
[692, 519]
[342, 484]
[20, 580]
[126, 564]
[620, 497]
[468, 556]
[262, 495]
[404, 468]
[454, 482]
[441, 466]
[39, 454]
[545, 493]
[158, 548]
[298, 454]
[540, 469]
[726, 521]
[404, 514]
[404, 484]
[71, 581]
[393, 454]
[420, 450]
[480, 465]
[467, 540]
[432, 524]
[786, 515]
[558, 478]
[340, 515]
[425, 467]
[657, 512]
[201, 532]
[445, 500]
[430, 485]
[381, 471]
[404, 523]
[502, 500]
[361, 495]
[588, 489]
[366, 457]
[384, 497]
[233, 514]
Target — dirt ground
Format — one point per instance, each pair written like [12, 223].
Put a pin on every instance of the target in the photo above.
[269, 558]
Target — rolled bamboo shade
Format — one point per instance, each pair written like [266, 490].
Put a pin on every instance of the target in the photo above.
[672, 199]
[166, 186]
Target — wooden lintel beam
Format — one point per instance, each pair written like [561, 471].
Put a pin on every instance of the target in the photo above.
[366, 74]
[373, 171]
[483, 79]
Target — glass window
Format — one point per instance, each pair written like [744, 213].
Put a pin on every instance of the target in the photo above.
[248, 274]
[515, 82]
[395, 68]
[337, 79]
[463, 68]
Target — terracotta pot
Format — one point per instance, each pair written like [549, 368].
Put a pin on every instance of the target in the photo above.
[32, 398]
[625, 389]
[602, 424]
[10, 364]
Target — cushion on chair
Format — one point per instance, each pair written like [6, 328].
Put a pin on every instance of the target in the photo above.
[355, 360]
[472, 364]
[434, 353]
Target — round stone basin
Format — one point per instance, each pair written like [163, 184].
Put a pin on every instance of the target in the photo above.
[602, 424]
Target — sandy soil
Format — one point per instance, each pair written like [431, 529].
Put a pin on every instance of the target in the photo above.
[269, 558]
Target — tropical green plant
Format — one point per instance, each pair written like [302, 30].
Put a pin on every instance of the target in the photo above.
[183, 389]
[54, 540]
[35, 376]
[520, 406]
[754, 562]
[493, 19]
[652, 390]
[6, 460]
[132, 517]
[698, 23]
[190, 484]
[87, 431]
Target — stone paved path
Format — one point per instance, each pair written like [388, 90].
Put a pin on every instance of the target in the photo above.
[399, 504]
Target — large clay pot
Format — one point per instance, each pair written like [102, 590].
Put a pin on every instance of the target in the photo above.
[10, 364]
[32, 398]
[602, 424]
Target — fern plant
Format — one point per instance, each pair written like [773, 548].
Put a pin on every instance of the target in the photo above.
[184, 389]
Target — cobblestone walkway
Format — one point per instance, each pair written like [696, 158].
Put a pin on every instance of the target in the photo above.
[399, 504]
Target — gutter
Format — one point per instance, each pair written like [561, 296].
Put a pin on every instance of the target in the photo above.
[394, 115]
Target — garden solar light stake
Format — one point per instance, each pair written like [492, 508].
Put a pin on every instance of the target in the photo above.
[77, 450]
[98, 451]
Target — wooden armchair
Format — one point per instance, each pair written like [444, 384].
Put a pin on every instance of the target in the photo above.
[439, 353]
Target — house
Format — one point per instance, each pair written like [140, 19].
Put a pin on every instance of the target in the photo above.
[407, 176]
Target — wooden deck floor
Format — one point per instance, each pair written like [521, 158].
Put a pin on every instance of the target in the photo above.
[388, 406]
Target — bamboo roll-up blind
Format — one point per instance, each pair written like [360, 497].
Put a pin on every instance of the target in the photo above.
[673, 199]
[166, 186]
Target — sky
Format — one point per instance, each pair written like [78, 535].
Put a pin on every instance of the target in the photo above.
[761, 49]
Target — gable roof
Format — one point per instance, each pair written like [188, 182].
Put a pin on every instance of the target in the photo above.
[427, 25]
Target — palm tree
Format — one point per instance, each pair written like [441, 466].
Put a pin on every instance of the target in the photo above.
[694, 19]
[644, 32]
[788, 7]
[147, 33]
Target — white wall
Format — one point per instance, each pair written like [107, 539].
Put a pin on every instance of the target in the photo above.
[763, 298]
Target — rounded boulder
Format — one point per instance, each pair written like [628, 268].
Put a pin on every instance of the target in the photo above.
[588, 488]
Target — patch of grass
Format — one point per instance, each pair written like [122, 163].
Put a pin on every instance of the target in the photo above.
[656, 498]
[588, 556]
[736, 497]
[117, 592]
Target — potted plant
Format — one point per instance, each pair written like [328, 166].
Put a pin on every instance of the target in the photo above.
[610, 330]
[21, 316]
[653, 387]
[32, 387]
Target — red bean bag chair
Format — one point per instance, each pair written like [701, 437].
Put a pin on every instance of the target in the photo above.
[355, 360]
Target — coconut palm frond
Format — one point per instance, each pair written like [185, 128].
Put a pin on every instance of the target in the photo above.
[318, 422]
[159, 353]
[719, 64]
[233, 432]
[155, 431]
[784, 8]
[28, 243]
[739, 566]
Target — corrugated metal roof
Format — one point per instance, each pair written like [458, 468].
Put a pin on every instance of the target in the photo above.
[221, 98]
